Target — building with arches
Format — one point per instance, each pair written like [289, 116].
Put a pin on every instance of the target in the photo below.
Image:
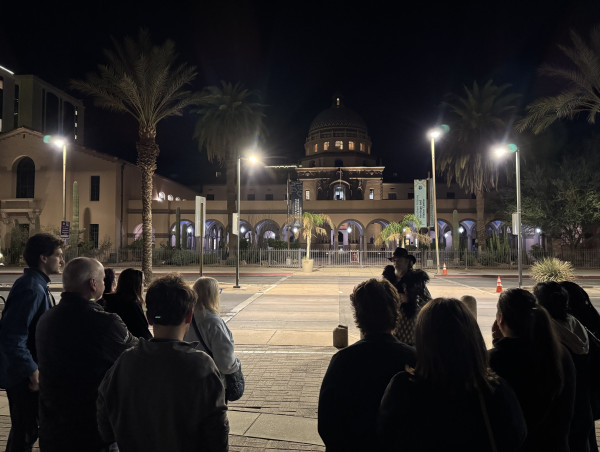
[338, 176]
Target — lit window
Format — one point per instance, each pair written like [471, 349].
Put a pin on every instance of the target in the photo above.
[339, 145]
[371, 193]
[351, 145]
[307, 195]
[161, 196]
[362, 147]
[177, 198]
[339, 192]
[326, 145]
[170, 198]
[316, 148]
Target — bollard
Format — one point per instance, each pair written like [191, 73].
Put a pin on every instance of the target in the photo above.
[340, 336]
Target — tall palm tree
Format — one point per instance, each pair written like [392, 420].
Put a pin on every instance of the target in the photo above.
[143, 80]
[312, 225]
[230, 121]
[580, 82]
[478, 119]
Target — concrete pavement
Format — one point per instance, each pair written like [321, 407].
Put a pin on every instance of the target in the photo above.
[283, 335]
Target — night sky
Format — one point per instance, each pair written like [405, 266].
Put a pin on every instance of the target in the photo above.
[393, 63]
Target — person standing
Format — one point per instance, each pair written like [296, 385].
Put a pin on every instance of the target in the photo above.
[412, 287]
[358, 375]
[165, 395]
[77, 342]
[28, 299]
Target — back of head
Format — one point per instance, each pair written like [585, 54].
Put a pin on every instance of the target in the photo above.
[79, 271]
[579, 300]
[375, 304]
[40, 244]
[451, 352]
[207, 292]
[169, 300]
[130, 283]
[552, 296]
[109, 279]
[531, 323]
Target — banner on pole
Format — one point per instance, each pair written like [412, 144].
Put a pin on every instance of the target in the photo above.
[296, 198]
[420, 188]
[200, 216]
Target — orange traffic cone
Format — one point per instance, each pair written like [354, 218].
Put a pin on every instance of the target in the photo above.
[499, 285]
[444, 271]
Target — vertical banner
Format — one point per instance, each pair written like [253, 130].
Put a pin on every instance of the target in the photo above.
[421, 201]
[296, 198]
[200, 217]
[431, 220]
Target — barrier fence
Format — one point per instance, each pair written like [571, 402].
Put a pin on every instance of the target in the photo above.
[341, 257]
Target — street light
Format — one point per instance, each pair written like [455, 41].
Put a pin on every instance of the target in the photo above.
[239, 212]
[501, 150]
[60, 142]
[433, 135]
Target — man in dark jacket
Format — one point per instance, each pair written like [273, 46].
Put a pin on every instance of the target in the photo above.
[77, 342]
[28, 299]
[164, 394]
[358, 375]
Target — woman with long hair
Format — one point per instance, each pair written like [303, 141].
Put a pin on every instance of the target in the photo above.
[451, 400]
[209, 329]
[528, 354]
[127, 302]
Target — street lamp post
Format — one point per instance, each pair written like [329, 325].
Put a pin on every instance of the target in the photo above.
[499, 151]
[61, 143]
[433, 134]
[239, 213]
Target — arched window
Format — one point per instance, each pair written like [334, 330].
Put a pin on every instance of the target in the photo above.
[25, 178]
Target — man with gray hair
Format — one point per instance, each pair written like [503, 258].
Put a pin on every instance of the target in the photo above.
[77, 342]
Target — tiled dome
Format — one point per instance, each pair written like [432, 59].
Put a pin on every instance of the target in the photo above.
[337, 115]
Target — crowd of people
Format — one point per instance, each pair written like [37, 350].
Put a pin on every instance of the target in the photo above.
[535, 390]
[88, 374]
[107, 370]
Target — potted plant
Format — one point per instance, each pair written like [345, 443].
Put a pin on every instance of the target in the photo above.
[312, 223]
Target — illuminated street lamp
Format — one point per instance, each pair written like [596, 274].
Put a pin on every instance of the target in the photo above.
[61, 143]
[433, 135]
[501, 150]
[252, 159]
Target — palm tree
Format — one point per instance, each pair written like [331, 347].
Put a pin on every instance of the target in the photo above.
[581, 86]
[397, 231]
[229, 122]
[480, 118]
[143, 80]
[312, 223]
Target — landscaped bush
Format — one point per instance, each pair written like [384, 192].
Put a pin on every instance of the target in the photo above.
[552, 269]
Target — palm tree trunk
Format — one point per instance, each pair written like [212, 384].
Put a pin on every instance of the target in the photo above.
[230, 177]
[147, 151]
[480, 206]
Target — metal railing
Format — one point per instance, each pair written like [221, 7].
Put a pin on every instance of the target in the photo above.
[340, 257]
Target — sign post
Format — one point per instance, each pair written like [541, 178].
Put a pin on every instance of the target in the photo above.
[200, 219]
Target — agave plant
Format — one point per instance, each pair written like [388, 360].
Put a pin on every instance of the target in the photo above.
[397, 231]
[552, 269]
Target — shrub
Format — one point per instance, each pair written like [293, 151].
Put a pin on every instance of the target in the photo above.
[552, 269]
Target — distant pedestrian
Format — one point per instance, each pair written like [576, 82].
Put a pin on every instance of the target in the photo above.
[209, 329]
[573, 335]
[358, 375]
[165, 395]
[127, 302]
[77, 342]
[451, 400]
[28, 299]
[412, 286]
[528, 354]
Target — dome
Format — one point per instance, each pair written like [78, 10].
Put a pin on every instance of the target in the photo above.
[338, 115]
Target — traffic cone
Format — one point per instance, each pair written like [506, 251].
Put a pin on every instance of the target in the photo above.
[499, 285]
[444, 271]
